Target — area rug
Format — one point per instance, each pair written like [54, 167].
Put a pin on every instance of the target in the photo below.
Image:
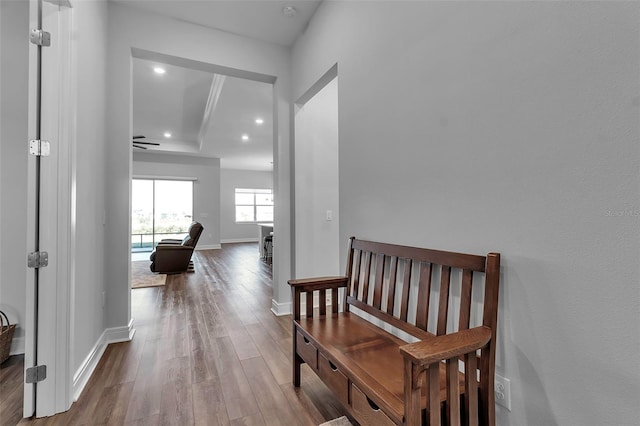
[340, 421]
[141, 275]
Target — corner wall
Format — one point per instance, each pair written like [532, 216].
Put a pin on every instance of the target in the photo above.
[509, 127]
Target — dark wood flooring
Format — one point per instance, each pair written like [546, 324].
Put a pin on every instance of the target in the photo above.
[207, 351]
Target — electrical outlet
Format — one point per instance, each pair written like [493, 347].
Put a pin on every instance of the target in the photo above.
[502, 387]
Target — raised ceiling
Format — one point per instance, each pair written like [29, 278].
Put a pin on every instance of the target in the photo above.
[207, 112]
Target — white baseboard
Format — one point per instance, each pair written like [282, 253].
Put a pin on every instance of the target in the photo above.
[209, 247]
[109, 335]
[280, 309]
[17, 346]
[239, 240]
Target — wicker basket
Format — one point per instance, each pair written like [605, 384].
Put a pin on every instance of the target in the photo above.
[6, 335]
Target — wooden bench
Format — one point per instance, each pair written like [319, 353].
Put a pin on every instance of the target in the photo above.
[444, 302]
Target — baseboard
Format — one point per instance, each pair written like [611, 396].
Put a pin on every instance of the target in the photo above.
[109, 335]
[17, 346]
[209, 247]
[280, 309]
[239, 240]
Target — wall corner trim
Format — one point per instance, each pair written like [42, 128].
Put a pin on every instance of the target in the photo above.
[280, 309]
[109, 335]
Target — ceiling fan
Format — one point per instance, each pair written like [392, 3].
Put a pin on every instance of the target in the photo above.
[139, 144]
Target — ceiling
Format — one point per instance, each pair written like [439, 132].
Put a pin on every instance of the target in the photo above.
[207, 113]
[260, 19]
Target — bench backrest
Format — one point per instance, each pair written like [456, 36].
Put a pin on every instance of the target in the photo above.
[420, 290]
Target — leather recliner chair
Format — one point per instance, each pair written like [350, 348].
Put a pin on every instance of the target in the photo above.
[172, 256]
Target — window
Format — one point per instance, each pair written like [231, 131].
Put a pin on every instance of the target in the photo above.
[254, 205]
[159, 209]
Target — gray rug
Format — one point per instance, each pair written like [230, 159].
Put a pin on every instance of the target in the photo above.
[340, 421]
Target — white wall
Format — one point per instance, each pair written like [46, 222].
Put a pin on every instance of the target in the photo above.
[506, 126]
[130, 28]
[14, 63]
[316, 185]
[88, 247]
[230, 231]
[206, 187]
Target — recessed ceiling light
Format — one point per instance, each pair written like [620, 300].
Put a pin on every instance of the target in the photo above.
[289, 11]
[167, 134]
[259, 121]
[159, 70]
[245, 137]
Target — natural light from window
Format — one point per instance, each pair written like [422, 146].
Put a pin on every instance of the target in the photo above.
[159, 209]
[254, 205]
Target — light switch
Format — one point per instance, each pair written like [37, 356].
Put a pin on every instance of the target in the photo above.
[329, 215]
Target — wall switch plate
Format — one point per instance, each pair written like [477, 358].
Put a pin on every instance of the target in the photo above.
[502, 387]
[329, 215]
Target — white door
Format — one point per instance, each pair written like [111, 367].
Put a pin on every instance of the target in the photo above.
[47, 319]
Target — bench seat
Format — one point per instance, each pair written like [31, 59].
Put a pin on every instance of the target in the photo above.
[356, 347]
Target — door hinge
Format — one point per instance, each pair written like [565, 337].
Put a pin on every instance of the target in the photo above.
[39, 148]
[40, 37]
[35, 374]
[38, 259]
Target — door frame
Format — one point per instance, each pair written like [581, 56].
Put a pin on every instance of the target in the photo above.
[52, 106]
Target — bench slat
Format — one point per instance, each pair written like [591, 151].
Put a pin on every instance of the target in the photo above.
[406, 281]
[322, 299]
[309, 304]
[424, 291]
[366, 273]
[391, 292]
[356, 274]
[443, 308]
[453, 393]
[377, 289]
[465, 299]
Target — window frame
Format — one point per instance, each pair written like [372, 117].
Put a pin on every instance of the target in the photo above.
[255, 192]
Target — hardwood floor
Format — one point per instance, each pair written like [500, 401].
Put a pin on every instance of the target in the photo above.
[207, 351]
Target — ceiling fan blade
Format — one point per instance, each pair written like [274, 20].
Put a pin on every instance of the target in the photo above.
[147, 143]
[139, 137]
[139, 147]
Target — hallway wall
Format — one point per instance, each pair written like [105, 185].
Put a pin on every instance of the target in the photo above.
[509, 127]
[14, 65]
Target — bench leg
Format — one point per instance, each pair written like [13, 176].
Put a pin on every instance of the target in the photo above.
[297, 362]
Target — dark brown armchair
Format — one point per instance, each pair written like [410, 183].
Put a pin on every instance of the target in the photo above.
[173, 256]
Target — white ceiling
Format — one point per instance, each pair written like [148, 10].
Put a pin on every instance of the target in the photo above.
[205, 112]
[261, 19]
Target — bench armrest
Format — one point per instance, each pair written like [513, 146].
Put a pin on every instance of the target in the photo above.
[446, 346]
[319, 283]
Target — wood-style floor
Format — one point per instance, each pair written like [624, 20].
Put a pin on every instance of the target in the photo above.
[207, 351]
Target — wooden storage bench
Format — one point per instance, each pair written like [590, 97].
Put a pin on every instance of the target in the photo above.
[444, 302]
